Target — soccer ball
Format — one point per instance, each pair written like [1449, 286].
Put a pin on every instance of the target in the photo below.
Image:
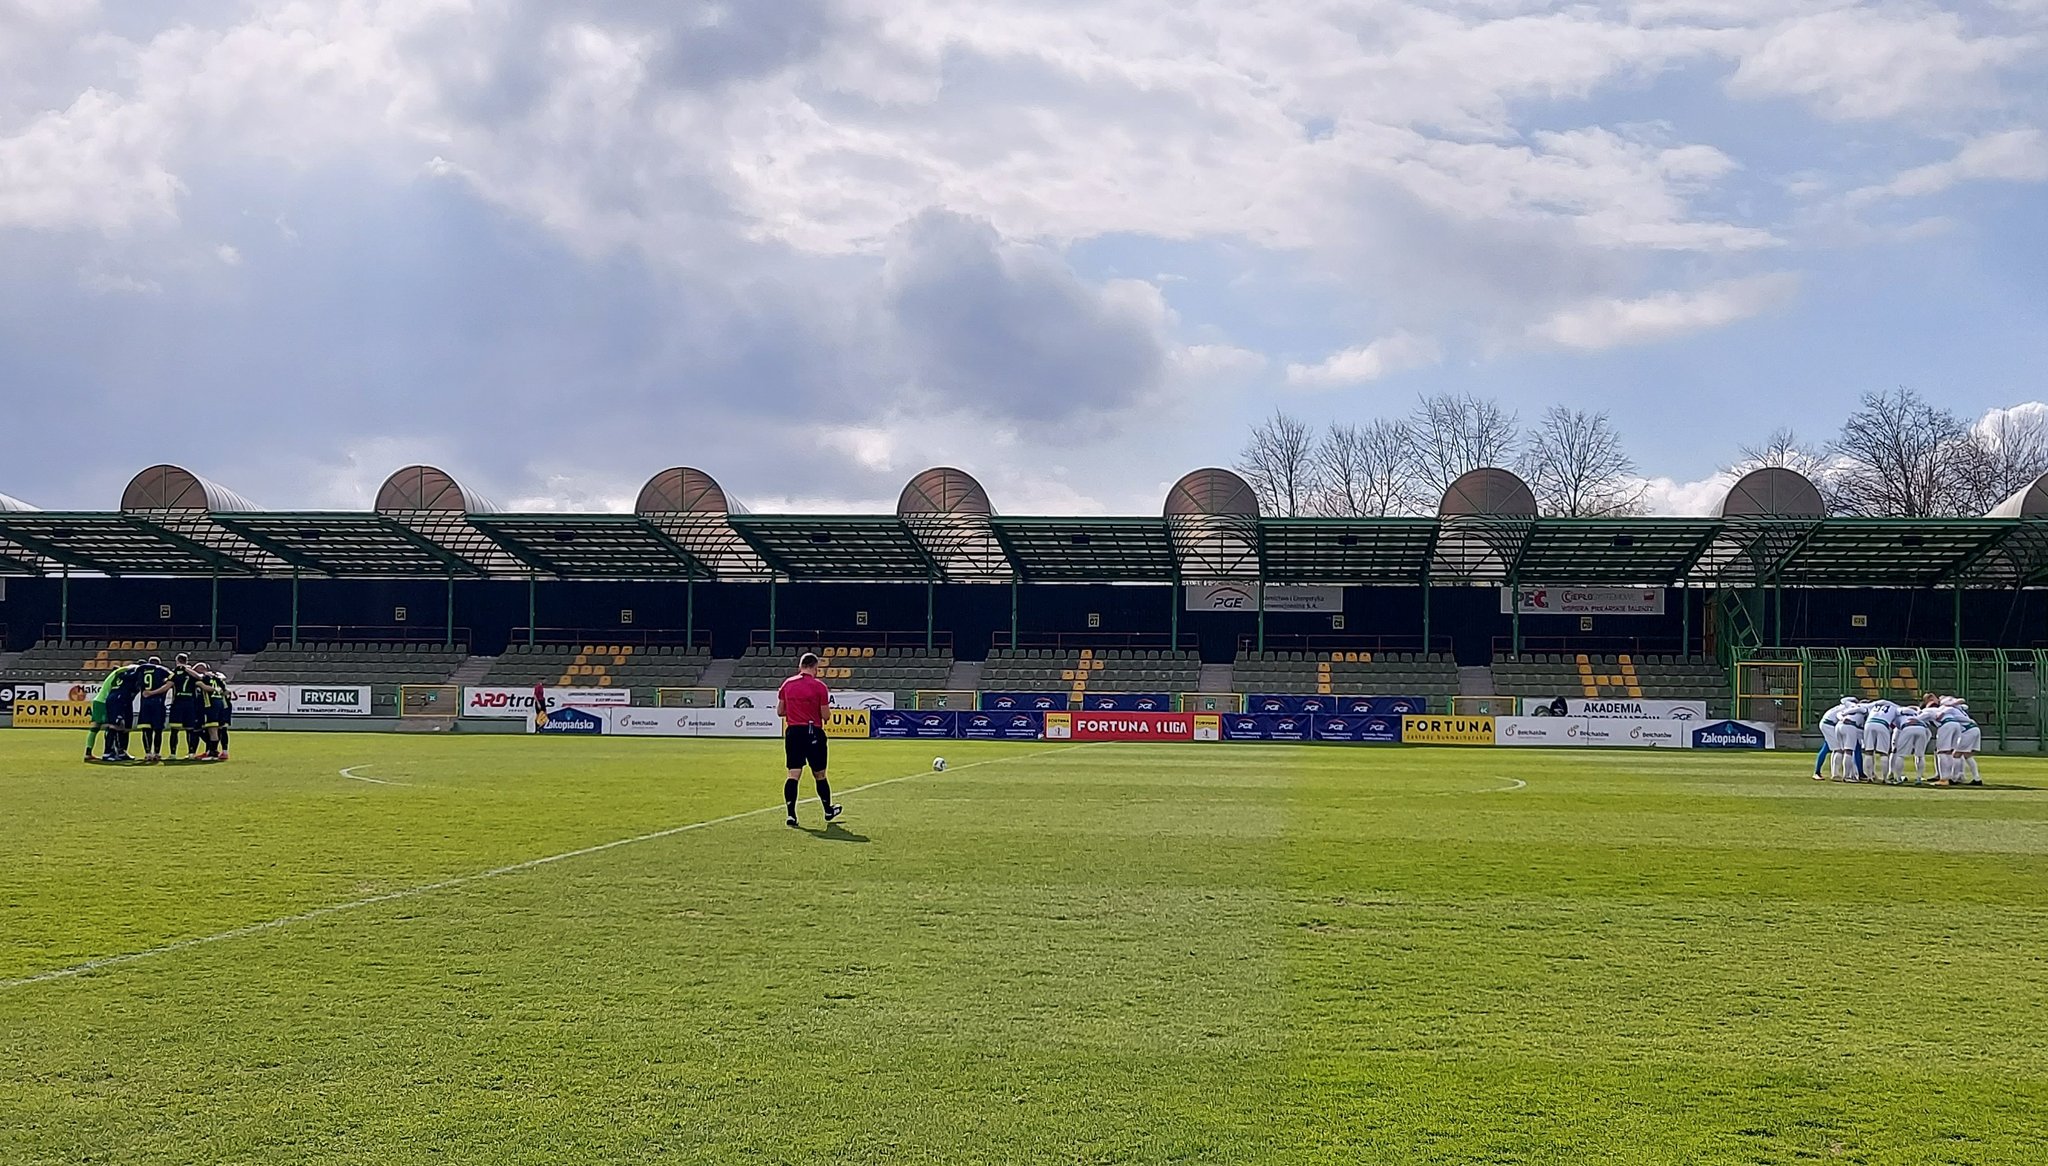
[938, 765]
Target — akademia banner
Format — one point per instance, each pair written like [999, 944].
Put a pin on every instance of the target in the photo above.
[511, 703]
[1583, 600]
[1624, 708]
[1092, 726]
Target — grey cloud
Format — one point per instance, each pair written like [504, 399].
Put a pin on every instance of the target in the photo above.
[1012, 331]
[510, 49]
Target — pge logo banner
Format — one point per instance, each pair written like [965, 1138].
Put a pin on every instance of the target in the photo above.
[993, 726]
[1352, 730]
[906, 725]
[1724, 735]
[1278, 597]
[848, 723]
[1447, 730]
[1128, 702]
[1353, 706]
[52, 714]
[1025, 702]
[1266, 727]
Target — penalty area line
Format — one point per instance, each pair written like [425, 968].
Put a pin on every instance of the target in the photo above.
[351, 774]
[317, 913]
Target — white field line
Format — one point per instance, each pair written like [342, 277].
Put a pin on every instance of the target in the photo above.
[281, 921]
[351, 774]
[1508, 789]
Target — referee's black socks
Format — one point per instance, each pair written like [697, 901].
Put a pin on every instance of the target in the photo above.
[789, 795]
[824, 794]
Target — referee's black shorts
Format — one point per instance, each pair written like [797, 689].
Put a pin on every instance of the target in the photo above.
[804, 745]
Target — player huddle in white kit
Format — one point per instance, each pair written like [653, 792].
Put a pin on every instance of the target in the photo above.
[1871, 740]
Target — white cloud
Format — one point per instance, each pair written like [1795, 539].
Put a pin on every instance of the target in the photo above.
[1667, 497]
[1613, 323]
[1879, 61]
[2019, 155]
[1382, 357]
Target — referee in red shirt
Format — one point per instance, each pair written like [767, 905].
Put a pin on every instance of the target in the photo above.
[802, 703]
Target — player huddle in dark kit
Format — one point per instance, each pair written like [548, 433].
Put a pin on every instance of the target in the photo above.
[181, 698]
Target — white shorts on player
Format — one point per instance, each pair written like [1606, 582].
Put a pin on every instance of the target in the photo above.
[1912, 741]
[1848, 739]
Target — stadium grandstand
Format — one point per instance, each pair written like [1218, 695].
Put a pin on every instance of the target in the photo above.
[691, 593]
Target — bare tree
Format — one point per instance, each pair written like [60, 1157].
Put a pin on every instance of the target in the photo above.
[1900, 457]
[2004, 453]
[1783, 450]
[1279, 461]
[1458, 432]
[1368, 470]
[1575, 464]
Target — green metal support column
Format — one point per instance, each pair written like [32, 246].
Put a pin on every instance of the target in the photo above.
[213, 635]
[690, 614]
[771, 613]
[1778, 616]
[64, 610]
[449, 642]
[1515, 604]
[1262, 607]
[1173, 613]
[1426, 591]
[295, 607]
[1015, 597]
[1959, 624]
[532, 605]
[931, 613]
[1685, 616]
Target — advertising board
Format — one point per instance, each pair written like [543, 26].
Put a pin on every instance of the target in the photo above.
[1583, 600]
[995, 726]
[1127, 702]
[848, 722]
[330, 700]
[1447, 730]
[1267, 727]
[764, 698]
[43, 713]
[1638, 734]
[1624, 708]
[1030, 702]
[568, 722]
[512, 703]
[1279, 597]
[11, 690]
[1734, 735]
[1358, 730]
[920, 725]
[262, 699]
[1283, 702]
[633, 721]
[1120, 726]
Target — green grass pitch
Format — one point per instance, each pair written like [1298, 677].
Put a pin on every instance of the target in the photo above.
[1227, 954]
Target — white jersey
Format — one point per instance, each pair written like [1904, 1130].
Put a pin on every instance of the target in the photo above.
[1884, 712]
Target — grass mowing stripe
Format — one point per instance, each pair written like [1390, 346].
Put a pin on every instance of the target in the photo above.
[112, 961]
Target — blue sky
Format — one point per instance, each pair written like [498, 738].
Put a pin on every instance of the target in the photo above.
[814, 246]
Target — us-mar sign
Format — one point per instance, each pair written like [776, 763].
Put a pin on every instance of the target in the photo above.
[1278, 597]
